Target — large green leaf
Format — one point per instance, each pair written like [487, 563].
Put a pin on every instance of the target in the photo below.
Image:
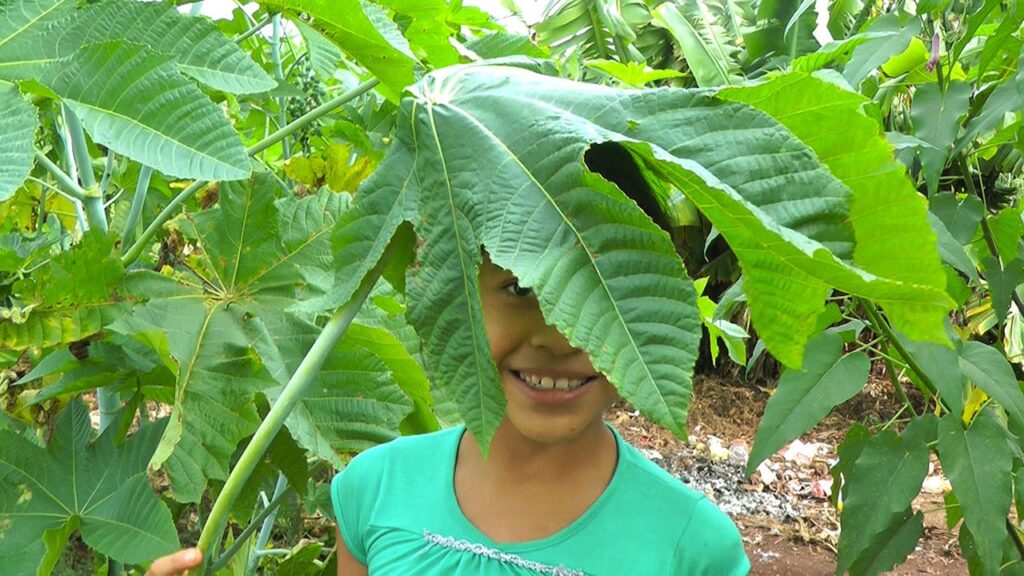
[936, 115]
[259, 256]
[833, 51]
[978, 461]
[989, 370]
[18, 123]
[98, 488]
[582, 245]
[22, 24]
[884, 480]
[363, 31]
[134, 101]
[895, 243]
[804, 397]
[201, 50]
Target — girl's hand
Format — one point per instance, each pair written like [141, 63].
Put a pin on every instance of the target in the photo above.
[176, 564]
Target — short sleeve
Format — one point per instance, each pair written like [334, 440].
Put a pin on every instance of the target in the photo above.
[353, 491]
[710, 545]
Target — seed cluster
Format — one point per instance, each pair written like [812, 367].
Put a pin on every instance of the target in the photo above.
[314, 93]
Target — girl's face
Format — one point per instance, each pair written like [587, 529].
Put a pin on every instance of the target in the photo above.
[553, 392]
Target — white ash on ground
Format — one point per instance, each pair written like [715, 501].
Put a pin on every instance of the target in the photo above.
[724, 483]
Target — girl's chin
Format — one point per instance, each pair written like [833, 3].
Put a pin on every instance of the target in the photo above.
[542, 429]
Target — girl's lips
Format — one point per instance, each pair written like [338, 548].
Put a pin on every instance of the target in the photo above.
[552, 397]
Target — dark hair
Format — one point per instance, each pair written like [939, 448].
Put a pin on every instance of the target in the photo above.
[615, 164]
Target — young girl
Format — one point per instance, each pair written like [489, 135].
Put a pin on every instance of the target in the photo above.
[561, 493]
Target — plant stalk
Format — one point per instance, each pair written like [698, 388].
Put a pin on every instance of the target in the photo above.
[879, 324]
[268, 525]
[70, 187]
[890, 369]
[108, 169]
[292, 394]
[171, 209]
[93, 200]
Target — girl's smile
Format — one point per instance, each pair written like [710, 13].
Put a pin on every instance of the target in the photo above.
[552, 388]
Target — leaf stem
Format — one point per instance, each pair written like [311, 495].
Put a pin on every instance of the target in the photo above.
[108, 169]
[890, 371]
[171, 209]
[879, 324]
[138, 202]
[256, 522]
[282, 101]
[268, 525]
[292, 394]
[312, 115]
[69, 186]
[253, 30]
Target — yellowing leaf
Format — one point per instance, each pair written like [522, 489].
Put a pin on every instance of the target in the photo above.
[307, 171]
[343, 176]
[976, 399]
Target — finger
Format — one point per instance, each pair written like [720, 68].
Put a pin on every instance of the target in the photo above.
[176, 563]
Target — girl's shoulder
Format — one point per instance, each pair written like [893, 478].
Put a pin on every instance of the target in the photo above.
[644, 476]
[409, 449]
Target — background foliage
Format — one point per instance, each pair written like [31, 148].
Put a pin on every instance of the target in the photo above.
[248, 243]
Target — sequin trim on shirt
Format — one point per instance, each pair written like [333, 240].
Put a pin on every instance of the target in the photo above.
[481, 550]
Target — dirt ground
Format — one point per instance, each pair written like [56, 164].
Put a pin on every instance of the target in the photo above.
[788, 525]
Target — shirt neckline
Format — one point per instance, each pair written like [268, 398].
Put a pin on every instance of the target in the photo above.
[455, 510]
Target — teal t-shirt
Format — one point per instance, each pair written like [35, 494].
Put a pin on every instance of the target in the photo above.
[398, 514]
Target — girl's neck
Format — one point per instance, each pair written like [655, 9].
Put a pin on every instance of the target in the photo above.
[520, 461]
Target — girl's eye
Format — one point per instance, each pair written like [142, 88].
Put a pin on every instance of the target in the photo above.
[514, 289]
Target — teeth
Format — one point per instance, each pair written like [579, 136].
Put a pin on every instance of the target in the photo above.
[549, 383]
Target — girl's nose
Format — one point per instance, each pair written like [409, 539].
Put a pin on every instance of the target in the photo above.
[545, 336]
